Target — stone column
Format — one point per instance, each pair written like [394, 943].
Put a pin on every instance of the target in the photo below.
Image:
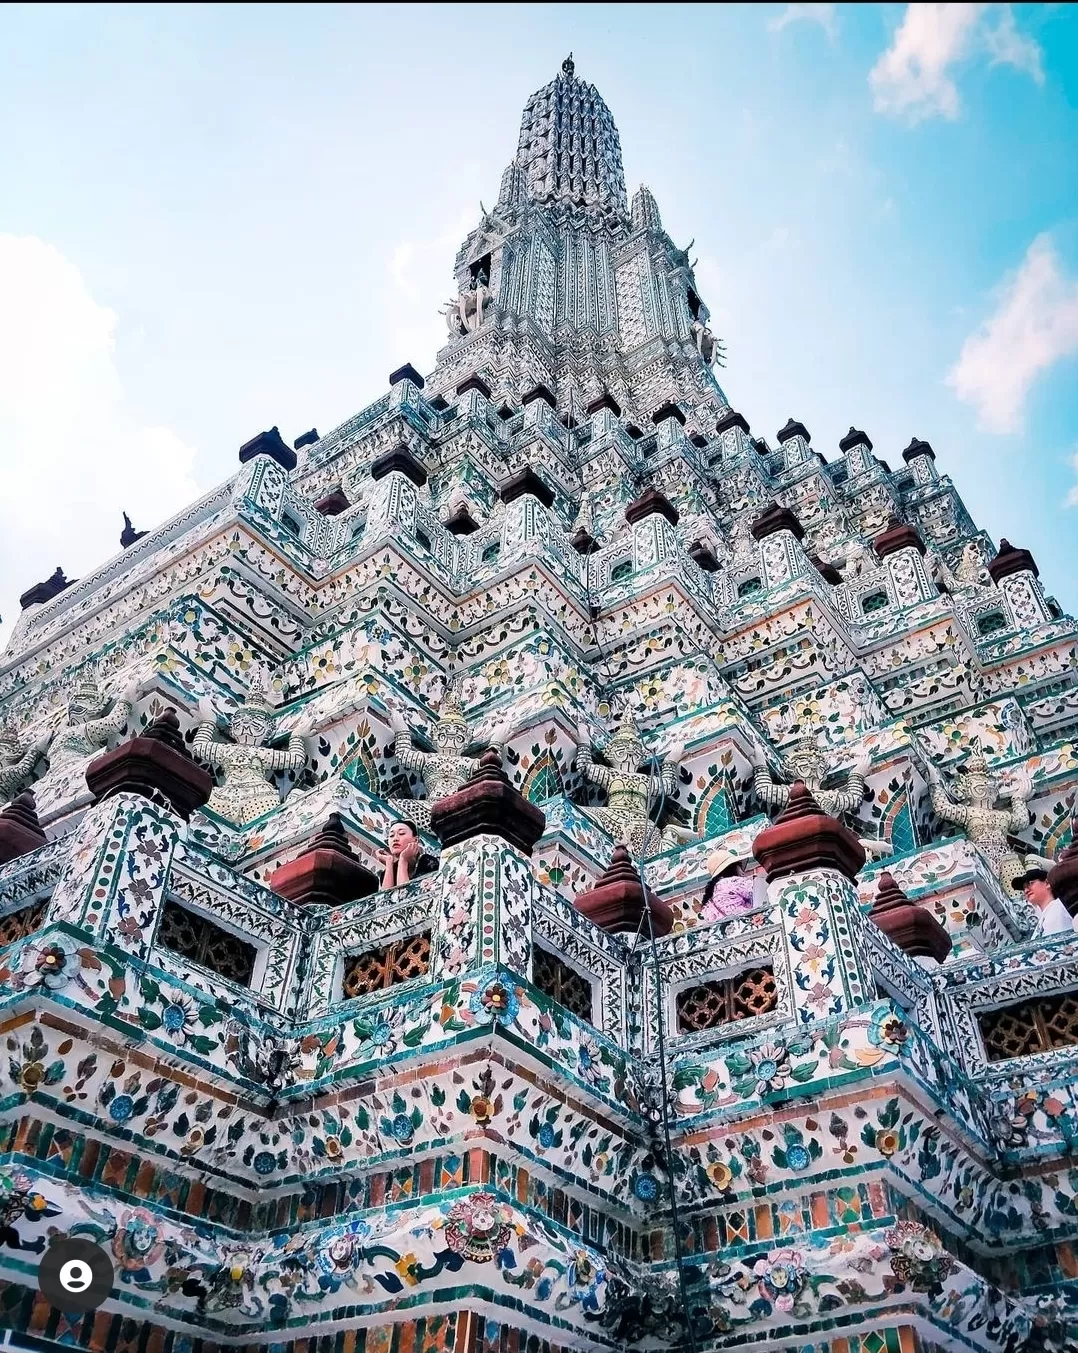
[260, 484]
[902, 551]
[734, 437]
[857, 449]
[406, 388]
[921, 459]
[780, 535]
[1016, 575]
[812, 862]
[794, 439]
[670, 434]
[488, 832]
[653, 518]
[397, 475]
[116, 873]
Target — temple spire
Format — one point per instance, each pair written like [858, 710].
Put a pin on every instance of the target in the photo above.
[569, 146]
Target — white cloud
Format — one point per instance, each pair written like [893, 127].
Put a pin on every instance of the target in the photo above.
[74, 454]
[824, 15]
[1007, 47]
[1034, 326]
[913, 78]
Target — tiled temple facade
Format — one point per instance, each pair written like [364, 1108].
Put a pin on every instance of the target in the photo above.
[463, 1113]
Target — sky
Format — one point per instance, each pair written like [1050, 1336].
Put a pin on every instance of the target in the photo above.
[219, 219]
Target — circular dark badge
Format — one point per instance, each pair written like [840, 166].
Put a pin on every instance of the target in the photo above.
[75, 1275]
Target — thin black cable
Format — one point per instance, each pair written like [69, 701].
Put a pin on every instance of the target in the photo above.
[675, 1215]
[664, 1094]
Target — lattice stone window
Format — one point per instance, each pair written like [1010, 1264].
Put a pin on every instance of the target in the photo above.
[875, 601]
[386, 966]
[1031, 1026]
[422, 540]
[16, 925]
[751, 587]
[490, 554]
[198, 939]
[991, 623]
[725, 1000]
[563, 984]
[621, 571]
[291, 524]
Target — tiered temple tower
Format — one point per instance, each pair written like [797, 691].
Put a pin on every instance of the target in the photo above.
[358, 986]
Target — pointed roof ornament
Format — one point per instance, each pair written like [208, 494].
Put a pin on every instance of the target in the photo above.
[156, 765]
[269, 444]
[42, 592]
[327, 872]
[618, 900]
[20, 831]
[129, 535]
[568, 66]
[911, 927]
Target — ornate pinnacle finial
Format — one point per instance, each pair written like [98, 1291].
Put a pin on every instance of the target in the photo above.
[451, 708]
[332, 837]
[87, 691]
[23, 810]
[568, 65]
[129, 535]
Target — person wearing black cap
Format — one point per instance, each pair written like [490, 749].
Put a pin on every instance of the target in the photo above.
[1053, 918]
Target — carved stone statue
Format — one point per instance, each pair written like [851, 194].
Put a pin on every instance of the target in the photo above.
[248, 761]
[859, 560]
[971, 570]
[259, 1054]
[465, 314]
[699, 529]
[444, 770]
[807, 762]
[941, 574]
[19, 761]
[744, 549]
[973, 808]
[631, 794]
[93, 719]
[707, 344]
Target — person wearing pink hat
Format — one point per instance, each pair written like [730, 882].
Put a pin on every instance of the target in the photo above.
[729, 889]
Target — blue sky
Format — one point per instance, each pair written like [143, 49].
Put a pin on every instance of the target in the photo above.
[217, 219]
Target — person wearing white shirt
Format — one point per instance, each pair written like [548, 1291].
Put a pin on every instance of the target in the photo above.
[1053, 918]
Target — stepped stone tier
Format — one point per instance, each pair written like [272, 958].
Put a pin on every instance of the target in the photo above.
[547, 634]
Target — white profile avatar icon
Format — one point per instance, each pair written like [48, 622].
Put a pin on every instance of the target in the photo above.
[75, 1275]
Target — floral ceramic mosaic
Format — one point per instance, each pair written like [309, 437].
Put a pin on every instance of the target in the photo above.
[566, 548]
